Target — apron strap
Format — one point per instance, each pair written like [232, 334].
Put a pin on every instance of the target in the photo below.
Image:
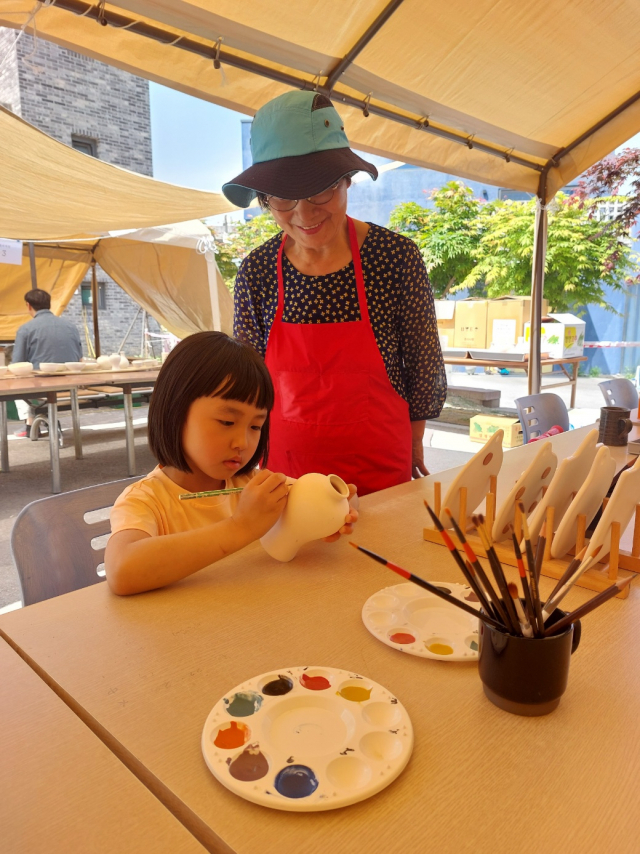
[357, 268]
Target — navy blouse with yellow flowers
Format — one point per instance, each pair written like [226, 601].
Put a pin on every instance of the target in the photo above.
[399, 300]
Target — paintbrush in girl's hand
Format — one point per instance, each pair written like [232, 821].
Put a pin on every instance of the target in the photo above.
[430, 587]
[186, 495]
[593, 603]
[467, 570]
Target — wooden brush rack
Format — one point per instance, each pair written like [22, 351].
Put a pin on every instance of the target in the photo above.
[593, 579]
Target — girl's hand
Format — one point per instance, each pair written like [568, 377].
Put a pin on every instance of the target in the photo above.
[350, 519]
[261, 503]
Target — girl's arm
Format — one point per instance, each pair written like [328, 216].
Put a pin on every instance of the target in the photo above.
[136, 561]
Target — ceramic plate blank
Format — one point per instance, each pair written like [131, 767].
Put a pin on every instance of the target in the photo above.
[307, 738]
[587, 501]
[475, 475]
[412, 620]
[571, 472]
[527, 489]
[620, 508]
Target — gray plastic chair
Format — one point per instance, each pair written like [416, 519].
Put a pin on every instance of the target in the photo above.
[51, 541]
[620, 392]
[539, 412]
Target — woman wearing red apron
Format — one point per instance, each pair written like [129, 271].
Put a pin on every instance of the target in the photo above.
[342, 310]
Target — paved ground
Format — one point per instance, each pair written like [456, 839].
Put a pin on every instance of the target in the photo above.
[105, 455]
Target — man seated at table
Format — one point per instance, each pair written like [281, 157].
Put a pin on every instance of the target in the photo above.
[45, 338]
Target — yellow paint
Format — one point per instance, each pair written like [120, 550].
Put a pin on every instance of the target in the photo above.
[440, 649]
[355, 693]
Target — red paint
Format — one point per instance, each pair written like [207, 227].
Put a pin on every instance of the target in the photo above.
[402, 637]
[235, 735]
[314, 683]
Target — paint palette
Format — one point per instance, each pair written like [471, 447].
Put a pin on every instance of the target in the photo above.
[412, 620]
[307, 739]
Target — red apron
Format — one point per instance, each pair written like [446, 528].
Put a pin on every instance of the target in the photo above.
[335, 410]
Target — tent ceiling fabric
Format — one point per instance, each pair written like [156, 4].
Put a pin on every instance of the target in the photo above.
[51, 191]
[505, 86]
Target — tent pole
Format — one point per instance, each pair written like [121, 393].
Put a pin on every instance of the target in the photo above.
[32, 264]
[537, 286]
[94, 307]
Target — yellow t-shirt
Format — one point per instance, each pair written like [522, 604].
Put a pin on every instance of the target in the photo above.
[153, 505]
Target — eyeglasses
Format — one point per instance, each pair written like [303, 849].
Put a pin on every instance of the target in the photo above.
[323, 198]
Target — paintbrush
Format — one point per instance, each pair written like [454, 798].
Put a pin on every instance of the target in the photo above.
[498, 572]
[187, 495]
[525, 625]
[525, 587]
[540, 546]
[533, 581]
[552, 603]
[566, 575]
[593, 603]
[498, 611]
[467, 570]
[437, 591]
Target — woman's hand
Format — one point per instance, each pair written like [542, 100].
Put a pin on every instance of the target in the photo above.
[350, 519]
[261, 503]
[418, 468]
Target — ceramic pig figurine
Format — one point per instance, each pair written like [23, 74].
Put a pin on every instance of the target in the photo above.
[316, 507]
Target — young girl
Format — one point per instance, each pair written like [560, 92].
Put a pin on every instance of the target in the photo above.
[208, 429]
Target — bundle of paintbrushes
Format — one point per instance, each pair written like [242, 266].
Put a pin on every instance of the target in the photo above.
[503, 608]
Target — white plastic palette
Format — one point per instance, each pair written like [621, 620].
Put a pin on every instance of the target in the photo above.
[307, 738]
[411, 619]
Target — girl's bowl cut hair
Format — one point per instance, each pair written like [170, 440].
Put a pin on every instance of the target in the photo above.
[198, 366]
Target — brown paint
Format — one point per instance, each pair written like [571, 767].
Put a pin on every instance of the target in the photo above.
[487, 459]
[250, 765]
[545, 473]
[520, 493]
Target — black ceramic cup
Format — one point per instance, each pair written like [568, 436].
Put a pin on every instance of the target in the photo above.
[526, 676]
[615, 425]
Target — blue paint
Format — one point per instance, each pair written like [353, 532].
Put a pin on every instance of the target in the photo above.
[296, 781]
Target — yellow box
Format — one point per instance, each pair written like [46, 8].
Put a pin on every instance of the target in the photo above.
[471, 324]
[482, 428]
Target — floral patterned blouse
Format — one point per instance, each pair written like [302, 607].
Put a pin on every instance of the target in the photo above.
[399, 300]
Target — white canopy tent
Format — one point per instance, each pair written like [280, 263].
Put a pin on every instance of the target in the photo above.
[525, 96]
[169, 271]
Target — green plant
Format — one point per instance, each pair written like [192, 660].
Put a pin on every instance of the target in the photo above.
[245, 237]
[594, 372]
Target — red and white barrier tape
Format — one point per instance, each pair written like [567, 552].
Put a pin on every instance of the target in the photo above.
[596, 345]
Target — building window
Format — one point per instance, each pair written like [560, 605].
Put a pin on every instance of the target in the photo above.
[85, 292]
[85, 144]
[504, 194]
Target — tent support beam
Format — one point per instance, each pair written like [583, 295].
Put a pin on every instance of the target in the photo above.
[94, 307]
[362, 42]
[210, 52]
[537, 287]
[32, 265]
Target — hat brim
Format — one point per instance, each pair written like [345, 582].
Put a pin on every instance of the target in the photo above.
[295, 177]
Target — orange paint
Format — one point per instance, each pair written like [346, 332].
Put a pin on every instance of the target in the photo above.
[402, 637]
[235, 735]
[355, 693]
[314, 683]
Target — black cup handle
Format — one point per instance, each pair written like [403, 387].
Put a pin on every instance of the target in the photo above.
[577, 634]
[627, 426]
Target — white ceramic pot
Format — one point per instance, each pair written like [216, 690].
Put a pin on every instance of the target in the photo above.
[51, 367]
[104, 362]
[21, 369]
[124, 362]
[114, 361]
[316, 508]
[76, 367]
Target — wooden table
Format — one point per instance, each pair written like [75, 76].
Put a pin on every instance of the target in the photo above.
[49, 387]
[571, 374]
[146, 670]
[61, 789]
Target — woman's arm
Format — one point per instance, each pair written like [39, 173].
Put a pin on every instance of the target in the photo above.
[135, 561]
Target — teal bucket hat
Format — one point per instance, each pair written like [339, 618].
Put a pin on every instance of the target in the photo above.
[299, 149]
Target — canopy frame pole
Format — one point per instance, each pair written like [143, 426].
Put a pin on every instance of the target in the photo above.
[212, 52]
[94, 308]
[362, 42]
[537, 287]
[128, 332]
[32, 265]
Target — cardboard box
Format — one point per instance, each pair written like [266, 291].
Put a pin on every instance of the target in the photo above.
[482, 428]
[562, 335]
[471, 324]
[506, 319]
[445, 311]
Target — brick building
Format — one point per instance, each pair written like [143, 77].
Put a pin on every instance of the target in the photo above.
[101, 111]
